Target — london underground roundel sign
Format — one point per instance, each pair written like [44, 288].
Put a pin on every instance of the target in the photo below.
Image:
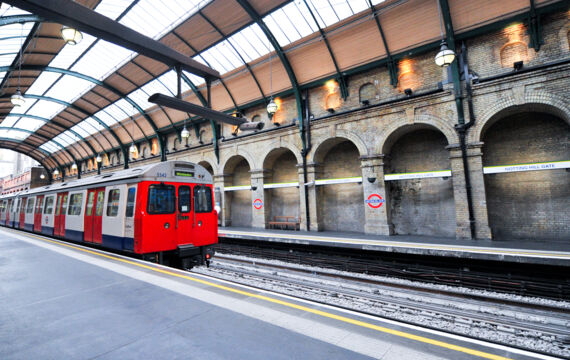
[258, 204]
[374, 201]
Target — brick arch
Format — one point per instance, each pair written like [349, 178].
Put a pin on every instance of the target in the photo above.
[400, 126]
[317, 155]
[232, 154]
[200, 157]
[276, 144]
[539, 101]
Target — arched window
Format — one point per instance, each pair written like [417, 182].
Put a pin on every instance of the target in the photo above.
[513, 52]
[367, 93]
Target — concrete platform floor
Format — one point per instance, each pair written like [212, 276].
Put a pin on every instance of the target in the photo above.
[63, 301]
[520, 251]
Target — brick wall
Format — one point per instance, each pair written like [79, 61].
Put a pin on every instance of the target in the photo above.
[284, 201]
[240, 200]
[341, 204]
[421, 206]
[534, 204]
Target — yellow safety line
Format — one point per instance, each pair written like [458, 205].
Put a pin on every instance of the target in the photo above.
[291, 305]
[498, 251]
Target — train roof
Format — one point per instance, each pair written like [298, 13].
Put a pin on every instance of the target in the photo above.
[168, 171]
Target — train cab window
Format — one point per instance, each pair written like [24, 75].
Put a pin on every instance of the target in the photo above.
[64, 204]
[89, 208]
[113, 202]
[131, 195]
[161, 199]
[100, 199]
[202, 199]
[48, 207]
[30, 207]
[184, 199]
[75, 204]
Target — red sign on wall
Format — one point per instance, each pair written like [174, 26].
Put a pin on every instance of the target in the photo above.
[258, 204]
[374, 201]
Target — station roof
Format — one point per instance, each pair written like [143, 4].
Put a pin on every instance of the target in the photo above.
[86, 99]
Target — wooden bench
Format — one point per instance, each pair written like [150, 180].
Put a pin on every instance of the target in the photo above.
[284, 222]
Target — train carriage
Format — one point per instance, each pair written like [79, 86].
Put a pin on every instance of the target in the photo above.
[162, 212]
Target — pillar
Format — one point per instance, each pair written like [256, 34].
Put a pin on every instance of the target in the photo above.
[225, 218]
[315, 208]
[475, 162]
[376, 201]
[259, 212]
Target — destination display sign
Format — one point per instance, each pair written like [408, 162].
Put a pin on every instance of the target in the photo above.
[184, 173]
[526, 167]
[418, 175]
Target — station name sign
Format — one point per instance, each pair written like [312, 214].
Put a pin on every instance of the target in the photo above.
[418, 175]
[526, 167]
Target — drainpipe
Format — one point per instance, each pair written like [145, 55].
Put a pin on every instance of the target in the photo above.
[462, 128]
[306, 140]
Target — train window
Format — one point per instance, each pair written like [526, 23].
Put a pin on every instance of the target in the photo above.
[100, 199]
[113, 202]
[48, 207]
[57, 205]
[89, 208]
[75, 204]
[64, 204]
[184, 199]
[30, 207]
[161, 199]
[202, 199]
[131, 202]
[39, 205]
[22, 206]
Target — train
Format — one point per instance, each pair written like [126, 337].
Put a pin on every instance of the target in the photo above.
[160, 212]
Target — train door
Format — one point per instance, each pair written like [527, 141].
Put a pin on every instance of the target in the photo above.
[3, 212]
[94, 216]
[204, 229]
[38, 214]
[22, 213]
[159, 231]
[184, 215]
[59, 218]
[8, 212]
[129, 243]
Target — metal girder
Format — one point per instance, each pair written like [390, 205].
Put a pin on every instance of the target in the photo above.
[450, 35]
[392, 68]
[47, 121]
[296, 90]
[15, 19]
[534, 28]
[175, 103]
[341, 79]
[40, 136]
[67, 12]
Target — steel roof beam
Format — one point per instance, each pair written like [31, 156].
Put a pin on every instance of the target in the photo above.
[19, 143]
[69, 13]
[392, 69]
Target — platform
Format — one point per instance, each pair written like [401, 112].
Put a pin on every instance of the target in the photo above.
[64, 301]
[534, 252]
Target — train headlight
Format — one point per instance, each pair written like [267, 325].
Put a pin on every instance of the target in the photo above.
[199, 223]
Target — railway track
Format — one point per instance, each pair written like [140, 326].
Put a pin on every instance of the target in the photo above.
[531, 324]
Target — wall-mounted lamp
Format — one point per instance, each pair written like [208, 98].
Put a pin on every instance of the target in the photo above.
[408, 92]
[518, 65]
[253, 188]
[330, 110]
[371, 180]
[365, 102]
[42, 176]
[276, 124]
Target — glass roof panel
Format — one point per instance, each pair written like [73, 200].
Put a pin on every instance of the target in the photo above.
[106, 118]
[83, 131]
[68, 88]
[69, 54]
[101, 59]
[94, 123]
[11, 36]
[112, 8]
[43, 82]
[9, 121]
[46, 109]
[196, 80]
[9, 10]
[30, 124]
[11, 134]
[50, 146]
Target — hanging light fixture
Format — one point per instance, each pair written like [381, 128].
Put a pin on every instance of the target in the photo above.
[17, 99]
[74, 167]
[133, 148]
[445, 56]
[272, 106]
[98, 159]
[56, 172]
[185, 134]
[70, 35]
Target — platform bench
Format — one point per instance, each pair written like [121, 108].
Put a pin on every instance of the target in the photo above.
[285, 222]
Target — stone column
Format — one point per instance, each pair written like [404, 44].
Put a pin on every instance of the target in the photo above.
[376, 201]
[219, 195]
[221, 180]
[315, 207]
[258, 212]
[302, 204]
[475, 161]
